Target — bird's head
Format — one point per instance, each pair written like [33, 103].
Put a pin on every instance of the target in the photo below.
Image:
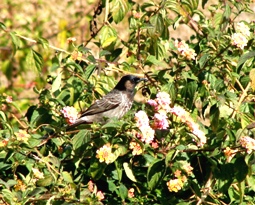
[128, 82]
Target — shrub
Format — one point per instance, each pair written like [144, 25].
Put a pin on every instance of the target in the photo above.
[188, 139]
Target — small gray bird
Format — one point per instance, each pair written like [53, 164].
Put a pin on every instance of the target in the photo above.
[113, 105]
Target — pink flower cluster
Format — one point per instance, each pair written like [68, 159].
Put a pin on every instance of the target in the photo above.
[161, 103]
[194, 127]
[142, 122]
[70, 113]
[185, 50]
[240, 38]
[248, 143]
[162, 106]
[93, 189]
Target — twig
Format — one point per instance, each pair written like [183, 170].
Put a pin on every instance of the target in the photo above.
[243, 96]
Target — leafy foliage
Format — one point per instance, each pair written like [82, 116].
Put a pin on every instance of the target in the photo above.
[203, 153]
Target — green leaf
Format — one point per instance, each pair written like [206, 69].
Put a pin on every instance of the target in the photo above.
[81, 138]
[96, 169]
[214, 117]
[108, 36]
[159, 27]
[104, 53]
[155, 173]
[113, 124]
[244, 58]
[34, 60]
[2, 115]
[153, 60]
[123, 191]
[37, 191]
[119, 10]
[2, 26]
[129, 171]
[56, 85]
[8, 195]
[202, 61]
[46, 181]
[67, 177]
[15, 42]
[89, 70]
[44, 42]
[241, 169]
[37, 116]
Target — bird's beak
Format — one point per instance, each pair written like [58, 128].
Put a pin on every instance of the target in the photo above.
[143, 79]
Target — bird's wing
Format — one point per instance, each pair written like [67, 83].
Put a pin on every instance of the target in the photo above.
[108, 102]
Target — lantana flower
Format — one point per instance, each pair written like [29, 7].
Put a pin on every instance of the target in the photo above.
[185, 117]
[242, 28]
[239, 40]
[174, 185]
[4, 142]
[100, 195]
[131, 193]
[90, 186]
[8, 99]
[248, 143]
[147, 135]
[184, 49]
[161, 103]
[141, 119]
[136, 148]
[160, 121]
[22, 136]
[104, 154]
[37, 173]
[142, 122]
[70, 113]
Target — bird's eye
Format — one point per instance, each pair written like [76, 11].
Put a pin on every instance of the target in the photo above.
[136, 80]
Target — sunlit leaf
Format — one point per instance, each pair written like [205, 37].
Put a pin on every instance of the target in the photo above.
[119, 9]
[244, 58]
[56, 85]
[129, 171]
[46, 181]
[81, 139]
[15, 41]
[34, 60]
[252, 77]
[67, 177]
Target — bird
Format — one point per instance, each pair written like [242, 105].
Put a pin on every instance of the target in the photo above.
[113, 105]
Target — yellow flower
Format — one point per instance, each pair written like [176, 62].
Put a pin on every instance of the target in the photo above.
[22, 135]
[230, 153]
[184, 50]
[174, 185]
[76, 55]
[104, 154]
[137, 150]
[4, 142]
[20, 186]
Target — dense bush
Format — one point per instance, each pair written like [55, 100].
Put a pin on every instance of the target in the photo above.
[188, 138]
